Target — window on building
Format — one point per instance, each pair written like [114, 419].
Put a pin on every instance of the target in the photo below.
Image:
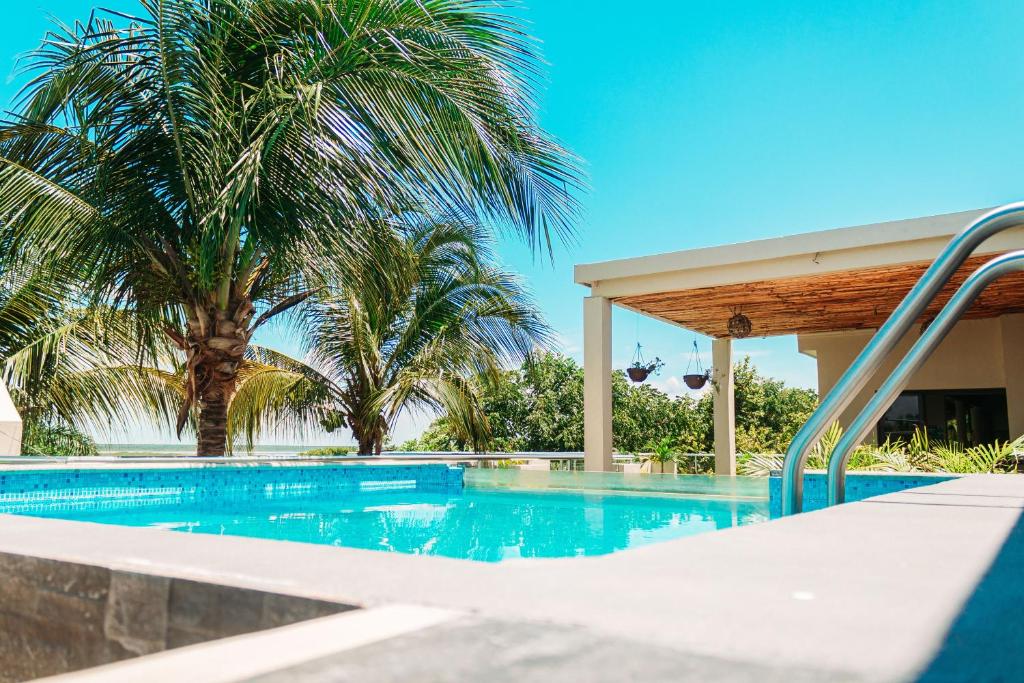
[968, 416]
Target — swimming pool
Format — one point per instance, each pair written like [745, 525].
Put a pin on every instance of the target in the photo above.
[419, 509]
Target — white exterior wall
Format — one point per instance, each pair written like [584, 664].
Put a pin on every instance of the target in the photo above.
[10, 424]
[977, 354]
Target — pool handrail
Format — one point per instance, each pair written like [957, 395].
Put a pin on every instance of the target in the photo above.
[936, 331]
[871, 357]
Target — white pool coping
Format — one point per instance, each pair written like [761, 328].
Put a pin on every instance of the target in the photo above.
[867, 589]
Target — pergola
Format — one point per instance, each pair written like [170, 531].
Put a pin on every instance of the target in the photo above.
[835, 280]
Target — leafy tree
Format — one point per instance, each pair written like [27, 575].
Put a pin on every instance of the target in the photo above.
[768, 413]
[327, 451]
[439, 437]
[642, 415]
[507, 407]
[539, 407]
[553, 385]
[207, 165]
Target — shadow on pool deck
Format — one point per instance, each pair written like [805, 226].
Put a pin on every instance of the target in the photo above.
[986, 640]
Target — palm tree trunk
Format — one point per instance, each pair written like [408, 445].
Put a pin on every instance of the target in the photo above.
[213, 423]
[215, 348]
[217, 375]
[369, 436]
[366, 442]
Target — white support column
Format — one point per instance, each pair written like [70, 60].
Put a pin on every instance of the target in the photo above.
[725, 407]
[1013, 369]
[10, 424]
[597, 384]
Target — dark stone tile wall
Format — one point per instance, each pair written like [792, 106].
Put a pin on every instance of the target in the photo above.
[57, 617]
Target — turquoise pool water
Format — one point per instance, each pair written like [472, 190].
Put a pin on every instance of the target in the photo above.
[497, 516]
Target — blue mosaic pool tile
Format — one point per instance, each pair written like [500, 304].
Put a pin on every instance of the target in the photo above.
[858, 487]
[51, 491]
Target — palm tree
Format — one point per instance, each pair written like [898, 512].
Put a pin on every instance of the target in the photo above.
[207, 165]
[33, 322]
[422, 334]
[67, 366]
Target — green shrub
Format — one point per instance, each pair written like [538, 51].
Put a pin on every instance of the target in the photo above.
[55, 438]
[917, 455]
[328, 450]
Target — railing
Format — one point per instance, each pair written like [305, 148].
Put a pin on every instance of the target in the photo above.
[387, 456]
[884, 341]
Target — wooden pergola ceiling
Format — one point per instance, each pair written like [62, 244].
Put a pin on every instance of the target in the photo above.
[849, 300]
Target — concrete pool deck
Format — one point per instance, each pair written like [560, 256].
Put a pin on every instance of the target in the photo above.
[919, 585]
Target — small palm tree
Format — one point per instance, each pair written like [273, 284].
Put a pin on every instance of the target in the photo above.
[207, 165]
[66, 366]
[33, 325]
[421, 334]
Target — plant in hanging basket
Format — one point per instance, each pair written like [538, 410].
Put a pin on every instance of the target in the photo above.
[696, 381]
[640, 370]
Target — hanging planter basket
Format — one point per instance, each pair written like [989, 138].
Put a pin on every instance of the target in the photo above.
[696, 380]
[638, 374]
[641, 369]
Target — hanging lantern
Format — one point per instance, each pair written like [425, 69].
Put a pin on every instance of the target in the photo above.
[696, 380]
[739, 326]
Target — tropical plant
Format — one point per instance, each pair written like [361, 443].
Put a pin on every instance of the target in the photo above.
[207, 165]
[272, 392]
[661, 451]
[32, 322]
[919, 454]
[758, 464]
[423, 334]
[819, 456]
[43, 437]
[62, 364]
[1000, 456]
[892, 456]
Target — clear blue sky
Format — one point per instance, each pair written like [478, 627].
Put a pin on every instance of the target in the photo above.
[708, 122]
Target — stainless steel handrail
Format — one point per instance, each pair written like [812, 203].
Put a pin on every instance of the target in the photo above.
[861, 426]
[884, 341]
